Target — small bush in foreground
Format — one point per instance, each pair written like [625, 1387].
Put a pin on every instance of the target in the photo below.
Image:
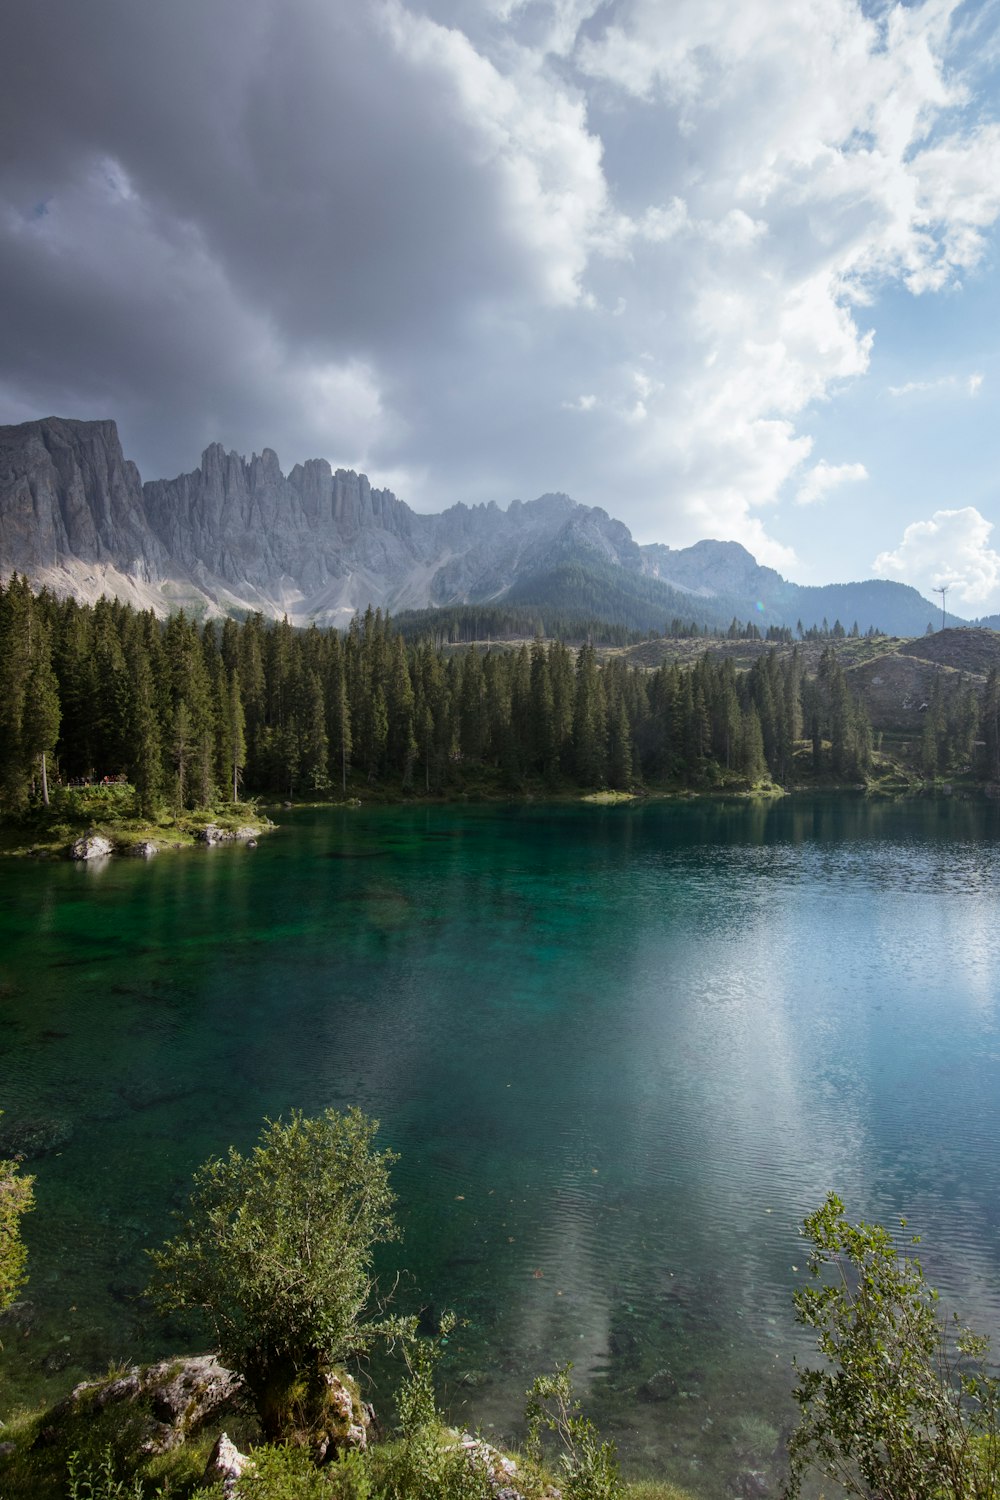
[892, 1412]
[99, 1481]
[590, 1467]
[277, 1251]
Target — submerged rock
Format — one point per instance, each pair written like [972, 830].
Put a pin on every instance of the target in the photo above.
[34, 1137]
[660, 1386]
[751, 1484]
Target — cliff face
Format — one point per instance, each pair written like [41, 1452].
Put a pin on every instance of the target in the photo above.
[314, 544]
[68, 495]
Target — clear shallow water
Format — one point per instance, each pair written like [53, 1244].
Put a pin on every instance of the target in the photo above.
[621, 1051]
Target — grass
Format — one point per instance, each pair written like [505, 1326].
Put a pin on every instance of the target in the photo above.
[107, 1443]
[113, 812]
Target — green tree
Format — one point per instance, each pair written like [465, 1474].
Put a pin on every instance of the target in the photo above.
[897, 1410]
[40, 725]
[236, 731]
[276, 1252]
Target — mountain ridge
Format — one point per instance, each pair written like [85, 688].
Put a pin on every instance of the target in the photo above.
[318, 544]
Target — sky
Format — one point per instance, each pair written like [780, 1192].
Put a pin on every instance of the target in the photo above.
[726, 268]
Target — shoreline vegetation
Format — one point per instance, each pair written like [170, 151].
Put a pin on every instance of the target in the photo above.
[146, 732]
[273, 1260]
[59, 831]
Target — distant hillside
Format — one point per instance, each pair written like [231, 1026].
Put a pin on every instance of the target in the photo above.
[894, 679]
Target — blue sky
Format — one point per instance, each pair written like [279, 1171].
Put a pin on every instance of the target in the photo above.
[725, 269]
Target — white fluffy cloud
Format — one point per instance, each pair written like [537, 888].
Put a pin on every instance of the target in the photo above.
[832, 138]
[950, 549]
[818, 481]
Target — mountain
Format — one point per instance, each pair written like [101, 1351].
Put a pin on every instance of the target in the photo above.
[718, 570]
[317, 544]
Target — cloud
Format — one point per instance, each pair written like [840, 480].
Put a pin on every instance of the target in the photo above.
[399, 234]
[951, 549]
[823, 477]
[960, 385]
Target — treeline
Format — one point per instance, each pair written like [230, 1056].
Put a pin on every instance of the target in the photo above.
[191, 713]
[463, 624]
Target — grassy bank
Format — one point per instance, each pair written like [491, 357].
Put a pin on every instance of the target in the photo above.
[98, 1448]
[113, 812]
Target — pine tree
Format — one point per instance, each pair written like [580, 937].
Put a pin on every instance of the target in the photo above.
[145, 749]
[236, 724]
[40, 726]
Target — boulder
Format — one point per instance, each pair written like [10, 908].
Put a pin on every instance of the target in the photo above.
[660, 1386]
[347, 1416]
[499, 1470]
[173, 1398]
[146, 849]
[91, 846]
[751, 1484]
[226, 1464]
[213, 834]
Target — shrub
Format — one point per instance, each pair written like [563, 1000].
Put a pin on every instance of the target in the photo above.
[897, 1409]
[276, 1252]
[590, 1467]
[16, 1199]
[99, 1481]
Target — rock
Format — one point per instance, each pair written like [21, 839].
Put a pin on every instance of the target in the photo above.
[660, 1386]
[750, 1484]
[6, 1449]
[213, 834]
[145, 850]
[34, 1137]
[20, 1315]
[324, 1415]
[500, 1471]
[176, 1396]
[57, 1360]
[91, 846]
[351, 1417]
[226, 1464]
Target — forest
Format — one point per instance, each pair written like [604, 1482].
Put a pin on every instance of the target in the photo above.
[189, 713]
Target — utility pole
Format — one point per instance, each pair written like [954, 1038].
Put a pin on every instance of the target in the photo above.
[943, 591]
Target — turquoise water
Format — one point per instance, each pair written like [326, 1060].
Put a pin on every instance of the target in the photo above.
[621, 1052]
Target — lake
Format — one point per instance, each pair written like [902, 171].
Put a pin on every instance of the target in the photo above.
[622, 1051]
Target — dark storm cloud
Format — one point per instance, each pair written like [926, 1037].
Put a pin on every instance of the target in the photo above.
[185, 182]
